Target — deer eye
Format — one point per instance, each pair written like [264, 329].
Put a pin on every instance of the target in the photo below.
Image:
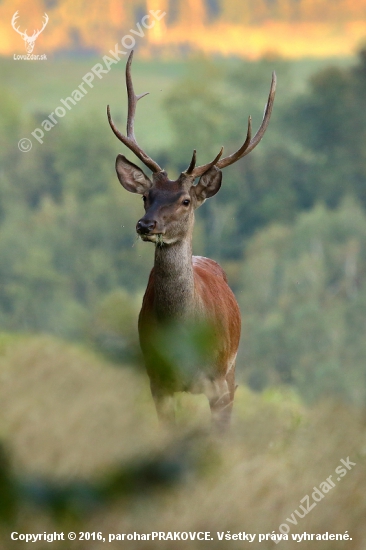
[186, 202]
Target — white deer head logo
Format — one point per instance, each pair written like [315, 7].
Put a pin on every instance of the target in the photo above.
[29, 40]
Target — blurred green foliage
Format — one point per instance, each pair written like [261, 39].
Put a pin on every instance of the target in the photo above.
[303, 303]
[293, 245]
[7, 489]
[175, 352]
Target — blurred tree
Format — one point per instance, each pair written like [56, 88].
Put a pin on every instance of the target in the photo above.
[83, 158]
[196, 109]
[303, 293]
[330, 123]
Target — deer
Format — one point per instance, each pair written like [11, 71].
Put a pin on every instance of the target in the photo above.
[29, 40]
[184, 290]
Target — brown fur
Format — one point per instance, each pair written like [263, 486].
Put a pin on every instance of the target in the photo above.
[215, 304]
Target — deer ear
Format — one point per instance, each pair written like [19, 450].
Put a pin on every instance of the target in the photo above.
[208, 185]
[131, 176]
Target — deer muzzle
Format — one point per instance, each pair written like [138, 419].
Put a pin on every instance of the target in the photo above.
[145, 226]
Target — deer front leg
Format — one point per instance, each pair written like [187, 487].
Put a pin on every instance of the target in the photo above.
[164, 404]
[221, 403]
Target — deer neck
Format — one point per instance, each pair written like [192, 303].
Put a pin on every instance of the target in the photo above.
[174, 280]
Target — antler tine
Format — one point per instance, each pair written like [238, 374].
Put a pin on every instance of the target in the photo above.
[14, 18]
[249, 143]
[36, 33]
[132, 99]
[200, 170]
[240, 152]
[192, 163]
[130, 140]
[13, 22]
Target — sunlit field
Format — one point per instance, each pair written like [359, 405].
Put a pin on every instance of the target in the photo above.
[252, 480]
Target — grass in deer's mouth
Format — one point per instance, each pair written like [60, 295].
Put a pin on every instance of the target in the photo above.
[159, 239]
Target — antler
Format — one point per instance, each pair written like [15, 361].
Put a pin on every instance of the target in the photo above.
[13, 21]
[248, 145]
[37, 33]
[130, 140]
[200, 170]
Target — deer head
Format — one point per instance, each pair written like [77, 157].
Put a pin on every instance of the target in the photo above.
[170, 204]
[29, 40]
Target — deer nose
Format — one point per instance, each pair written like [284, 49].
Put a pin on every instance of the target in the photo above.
[144, 227]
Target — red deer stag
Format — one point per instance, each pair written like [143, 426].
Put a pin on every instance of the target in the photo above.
[184, 290]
